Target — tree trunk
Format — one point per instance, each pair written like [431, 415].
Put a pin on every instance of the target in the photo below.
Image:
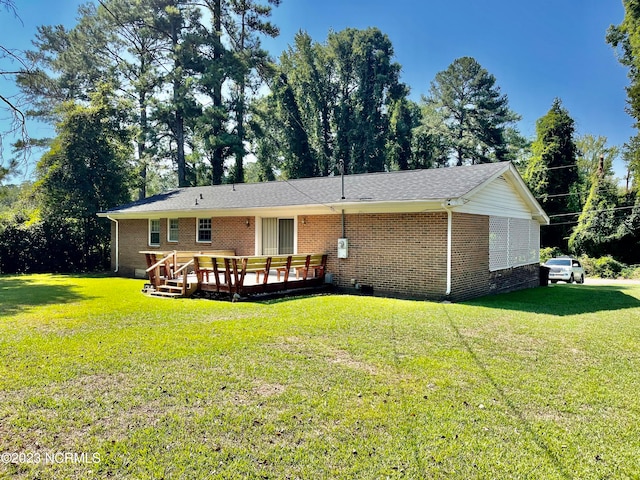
[142, 146]
[217, 160]
[178, 123]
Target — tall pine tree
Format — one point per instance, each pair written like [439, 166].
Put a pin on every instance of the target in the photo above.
[474, 110]
[552, 173]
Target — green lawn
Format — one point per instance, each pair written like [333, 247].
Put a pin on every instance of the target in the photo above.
[538, 384]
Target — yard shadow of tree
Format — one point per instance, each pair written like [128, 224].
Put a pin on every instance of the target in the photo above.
[563, 300]
[20, 294]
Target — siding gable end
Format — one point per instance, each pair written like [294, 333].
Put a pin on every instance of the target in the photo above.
[498, 198]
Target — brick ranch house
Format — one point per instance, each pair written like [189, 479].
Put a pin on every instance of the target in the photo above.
[451, 233]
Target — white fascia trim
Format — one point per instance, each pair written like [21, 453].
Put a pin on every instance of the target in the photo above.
[399, 206]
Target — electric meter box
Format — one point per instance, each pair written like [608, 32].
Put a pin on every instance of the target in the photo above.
[343, 248]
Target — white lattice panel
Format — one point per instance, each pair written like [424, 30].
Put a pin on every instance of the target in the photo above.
[519, 251]
[498, 243]
[513, 242]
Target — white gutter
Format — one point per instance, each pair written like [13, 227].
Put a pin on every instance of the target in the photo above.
[117, 243]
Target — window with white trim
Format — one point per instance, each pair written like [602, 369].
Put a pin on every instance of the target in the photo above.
[154, 233]
[172, 229]
[513, 242]
[204, 230]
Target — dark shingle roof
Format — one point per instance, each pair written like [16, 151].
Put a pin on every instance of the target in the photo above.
[408, 185]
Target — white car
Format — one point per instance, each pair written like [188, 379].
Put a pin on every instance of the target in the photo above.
[567, 269]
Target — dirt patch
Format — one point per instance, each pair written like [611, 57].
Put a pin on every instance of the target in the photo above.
[342, 357]
[267, 390]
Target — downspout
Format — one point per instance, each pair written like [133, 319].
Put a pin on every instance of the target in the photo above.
[117, 243]
[449, 249]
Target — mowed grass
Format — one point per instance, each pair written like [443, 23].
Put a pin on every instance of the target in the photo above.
[537, 384]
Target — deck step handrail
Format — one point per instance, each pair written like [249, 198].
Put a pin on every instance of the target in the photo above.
[190, 262]
[160, 262]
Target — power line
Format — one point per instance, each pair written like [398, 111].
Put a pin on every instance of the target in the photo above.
[564, 223]
[563, 166]
[591, 211]
[562, 195]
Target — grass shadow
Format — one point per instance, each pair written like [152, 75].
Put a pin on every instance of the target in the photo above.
[515, 411]
[564, 300]
[18, 294]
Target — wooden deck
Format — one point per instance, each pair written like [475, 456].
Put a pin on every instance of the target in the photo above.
[219, 275]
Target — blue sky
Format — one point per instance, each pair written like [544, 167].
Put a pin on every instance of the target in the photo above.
[537, 50]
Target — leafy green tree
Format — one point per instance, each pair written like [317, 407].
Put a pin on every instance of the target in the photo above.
[84, 171]
[474, 110]
[628, 246]
[402, 121]
[430, 147]
[590, 152]
[245, 21]
[598, 223]
[138, 71]
[625, 38]
[518, 147]
[145, 48]
[631, 158]
[552, 174]
[628, 234]
[299, 160]
[68, 64]
[367, 85]
[345, 97]
[214, 67]
[308, 69]
[113, 42]
[177, 22]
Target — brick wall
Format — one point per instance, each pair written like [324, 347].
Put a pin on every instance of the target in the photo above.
[405, 254]
[401, 254]
[469, 256]
[517, 278]
[232, 233]
[398, 254]
[227, 233]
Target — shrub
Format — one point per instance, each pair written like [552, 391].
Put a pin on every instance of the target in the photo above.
[631, 272]
[589, 266]
[549, 252]
[49, 247]
[607, 267]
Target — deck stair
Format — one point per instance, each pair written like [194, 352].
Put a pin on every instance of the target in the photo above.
[173, 288]
[170, 273]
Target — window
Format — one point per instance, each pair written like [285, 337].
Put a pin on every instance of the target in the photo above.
[154, 233]
[204, 230]
[513, 242]
[172, 229]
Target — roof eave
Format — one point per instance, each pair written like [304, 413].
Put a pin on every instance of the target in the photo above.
[397, 206]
